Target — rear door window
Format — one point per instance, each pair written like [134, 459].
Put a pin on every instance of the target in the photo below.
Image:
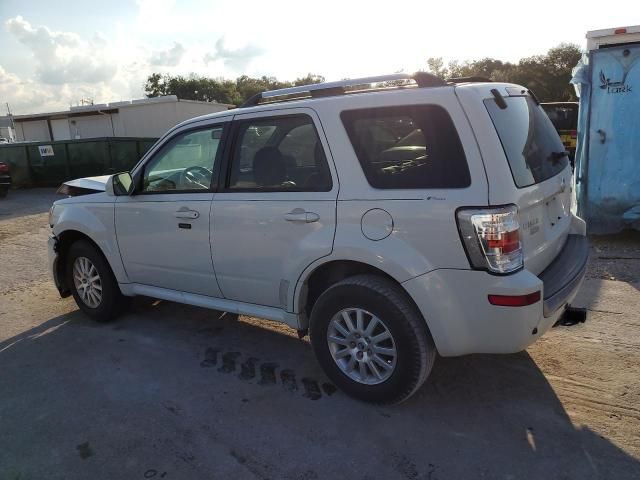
[533, 148]
[279, 154]
[407, 147]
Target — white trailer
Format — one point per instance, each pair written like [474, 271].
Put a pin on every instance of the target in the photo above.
[608, 153]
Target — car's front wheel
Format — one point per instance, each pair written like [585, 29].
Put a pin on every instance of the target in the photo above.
[371, 340]
[92, 282]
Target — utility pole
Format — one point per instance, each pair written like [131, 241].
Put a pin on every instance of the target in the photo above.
[9, 114]
[12, 129]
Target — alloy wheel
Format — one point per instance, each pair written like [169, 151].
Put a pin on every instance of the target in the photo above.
[362, 346]
[87, 282]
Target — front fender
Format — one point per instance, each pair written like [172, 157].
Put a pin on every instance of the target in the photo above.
[96, 221]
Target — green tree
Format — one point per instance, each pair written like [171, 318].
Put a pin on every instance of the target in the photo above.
[155, 86]
[234, 92]
[546, 75]
[436, 66]
[309, 79]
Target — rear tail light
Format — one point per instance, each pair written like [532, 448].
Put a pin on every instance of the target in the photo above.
[4, 168]
[491, 238]
[574, 134]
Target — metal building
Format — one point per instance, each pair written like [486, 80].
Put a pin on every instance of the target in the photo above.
[148, 117]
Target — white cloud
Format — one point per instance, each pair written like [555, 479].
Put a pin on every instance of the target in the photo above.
[152, 13]
[168, 58]
[64, 67]
[64, 57]
[237, 59]
[29, 96]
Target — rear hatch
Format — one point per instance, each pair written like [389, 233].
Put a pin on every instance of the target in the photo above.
[526, 165]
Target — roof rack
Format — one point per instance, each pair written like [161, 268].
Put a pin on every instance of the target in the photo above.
[342, 87]
[471, 79]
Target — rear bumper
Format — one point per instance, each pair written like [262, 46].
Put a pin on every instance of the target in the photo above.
[455, 303]
[563, 277]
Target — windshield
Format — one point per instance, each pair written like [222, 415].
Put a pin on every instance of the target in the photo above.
[533, 148]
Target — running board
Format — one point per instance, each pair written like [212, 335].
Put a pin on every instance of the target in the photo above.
[213, 303]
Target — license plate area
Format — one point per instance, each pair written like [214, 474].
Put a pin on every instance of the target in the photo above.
[556, 211]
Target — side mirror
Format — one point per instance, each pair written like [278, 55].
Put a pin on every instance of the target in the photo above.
[119, 184]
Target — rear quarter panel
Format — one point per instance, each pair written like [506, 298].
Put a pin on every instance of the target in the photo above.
[424, 235]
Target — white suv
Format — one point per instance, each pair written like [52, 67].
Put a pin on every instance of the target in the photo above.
[390, 217]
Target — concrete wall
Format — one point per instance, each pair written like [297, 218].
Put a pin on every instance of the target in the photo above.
[186, 109]
[60, 128]
[8, 133]
[35, 130]
[143, 119]
[154, 119]
[91, 126]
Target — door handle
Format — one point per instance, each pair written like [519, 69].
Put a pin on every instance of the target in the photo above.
[302, 216]
[185, 212]
[603, 135]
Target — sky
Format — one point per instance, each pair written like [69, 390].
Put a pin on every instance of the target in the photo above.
[55, 53]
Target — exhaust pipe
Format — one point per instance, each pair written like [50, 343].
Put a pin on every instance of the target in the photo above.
[572, 316]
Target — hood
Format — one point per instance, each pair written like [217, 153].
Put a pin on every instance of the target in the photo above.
[83, 186]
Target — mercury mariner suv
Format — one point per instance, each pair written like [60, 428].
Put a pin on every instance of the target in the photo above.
[392, 218]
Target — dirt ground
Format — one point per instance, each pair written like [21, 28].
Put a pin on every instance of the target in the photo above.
[171, 391]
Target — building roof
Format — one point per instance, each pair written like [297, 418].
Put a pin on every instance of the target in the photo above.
[113, 107]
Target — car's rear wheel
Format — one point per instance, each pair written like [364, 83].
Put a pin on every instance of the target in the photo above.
[92, 282]
[371, 340]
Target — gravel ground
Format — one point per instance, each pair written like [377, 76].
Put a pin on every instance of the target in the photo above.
[171, 391]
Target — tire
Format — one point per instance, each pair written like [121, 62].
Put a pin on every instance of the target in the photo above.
[380, 298]
[3, 192]
[111, 301]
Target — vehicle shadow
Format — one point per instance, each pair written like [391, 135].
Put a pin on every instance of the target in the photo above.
[169, 390]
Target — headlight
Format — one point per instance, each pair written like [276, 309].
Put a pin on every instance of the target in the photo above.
[51, 215]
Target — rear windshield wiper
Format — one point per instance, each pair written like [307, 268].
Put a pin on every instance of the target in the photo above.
[499, 99]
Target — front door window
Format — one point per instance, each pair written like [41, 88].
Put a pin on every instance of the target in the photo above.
[184, 164]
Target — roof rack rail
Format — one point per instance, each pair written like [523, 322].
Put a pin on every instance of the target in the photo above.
[470, 79]
[341, 87]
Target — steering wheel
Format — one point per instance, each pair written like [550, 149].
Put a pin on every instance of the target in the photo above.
[197, 175]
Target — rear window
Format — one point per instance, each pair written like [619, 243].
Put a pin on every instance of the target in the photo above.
[407, 147]
[530, 142]
[563, 117]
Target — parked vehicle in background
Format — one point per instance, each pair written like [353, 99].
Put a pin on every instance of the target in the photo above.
[5, 179]
[392, 218]
[564, 116]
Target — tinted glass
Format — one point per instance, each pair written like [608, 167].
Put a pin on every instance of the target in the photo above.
[563, 117]
[407, 147]
[185, 163]
[530, 142]
[279, 154]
